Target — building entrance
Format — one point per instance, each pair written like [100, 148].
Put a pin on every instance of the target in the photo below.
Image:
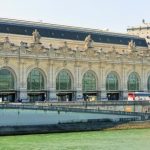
[113, 96]
[90, 96]
[33, 97]
[10, 97]
[64, 96]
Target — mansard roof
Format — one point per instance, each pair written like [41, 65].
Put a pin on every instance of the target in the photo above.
[11, 26]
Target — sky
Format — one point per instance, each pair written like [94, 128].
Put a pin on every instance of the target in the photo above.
[115, 15]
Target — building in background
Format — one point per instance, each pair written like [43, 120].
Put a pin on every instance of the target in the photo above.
[142, 30]
[40, 61]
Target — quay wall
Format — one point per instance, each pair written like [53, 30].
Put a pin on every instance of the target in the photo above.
[90, 125]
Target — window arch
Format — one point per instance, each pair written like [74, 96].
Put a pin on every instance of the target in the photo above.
[35, 80]
[63, 81]
[6, 80]
[89, 81]
[148, 83]
[112, 82]
[133, 82]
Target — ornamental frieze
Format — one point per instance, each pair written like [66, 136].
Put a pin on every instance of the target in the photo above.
[85, 50]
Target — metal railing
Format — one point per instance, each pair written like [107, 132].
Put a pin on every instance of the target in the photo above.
[64, 108]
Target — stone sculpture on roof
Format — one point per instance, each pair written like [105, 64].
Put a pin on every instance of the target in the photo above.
[131, 45]
[36, 36]
[88, 42]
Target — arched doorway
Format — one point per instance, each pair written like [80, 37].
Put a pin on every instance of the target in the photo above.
[133, 82]
[7, 86]
[64, 86]
[89, 86]
[112, 86]
[36, 86]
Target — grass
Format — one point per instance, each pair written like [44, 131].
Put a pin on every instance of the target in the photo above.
[98, 140]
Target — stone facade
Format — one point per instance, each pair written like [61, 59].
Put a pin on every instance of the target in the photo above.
[22, 53]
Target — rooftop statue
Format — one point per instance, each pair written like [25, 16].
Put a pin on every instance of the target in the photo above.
[36, 36]
[6, 43]
[131, 45]
[88, 42]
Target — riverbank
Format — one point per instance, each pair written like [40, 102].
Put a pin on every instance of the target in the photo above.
[132, 125]
[90, 125]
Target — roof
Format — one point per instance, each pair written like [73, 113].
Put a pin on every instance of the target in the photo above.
[67, 32]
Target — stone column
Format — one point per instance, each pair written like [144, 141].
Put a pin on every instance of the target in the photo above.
[124, 84]
[103, 86]
[78, 82]
[22, 80]
[51, 82]
[144, 79]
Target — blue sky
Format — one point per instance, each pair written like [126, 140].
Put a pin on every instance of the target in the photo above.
[116, 15]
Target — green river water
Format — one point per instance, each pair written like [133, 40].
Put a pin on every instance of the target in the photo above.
[134, 139]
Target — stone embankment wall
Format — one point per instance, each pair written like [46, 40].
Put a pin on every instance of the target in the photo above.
[91, 125]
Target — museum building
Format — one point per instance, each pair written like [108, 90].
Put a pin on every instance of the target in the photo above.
[41, 61]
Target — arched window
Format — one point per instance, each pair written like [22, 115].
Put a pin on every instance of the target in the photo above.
[89, 82]
[133, 82]
[148, 84]
[35, 80]
[6, 80]
[111, 82]
[63, 81]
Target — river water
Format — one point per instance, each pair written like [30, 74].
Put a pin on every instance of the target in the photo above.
[133, 139]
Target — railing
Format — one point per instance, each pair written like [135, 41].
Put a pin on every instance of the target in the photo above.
[92, 103]
[80, 103]
[70, 109]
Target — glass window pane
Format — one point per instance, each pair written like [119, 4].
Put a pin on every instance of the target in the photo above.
[111, 82]
[63, 81]
[133, 82]
[6, 80]
[35, 80]
[89, 82]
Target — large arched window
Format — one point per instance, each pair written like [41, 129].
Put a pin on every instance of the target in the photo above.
[6, 80]
[63, 81]
[35, 80]
[111, 82]
[89, 81]
[148, 84]
[133, 82]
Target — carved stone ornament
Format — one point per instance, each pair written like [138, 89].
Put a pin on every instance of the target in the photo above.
[50, 51]
[23, 47]
[5, 59]
[6, 44]
[65, 49]
[36, 48]
[131, 45]
[88, 42]
[36, 36]
[84, 53]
